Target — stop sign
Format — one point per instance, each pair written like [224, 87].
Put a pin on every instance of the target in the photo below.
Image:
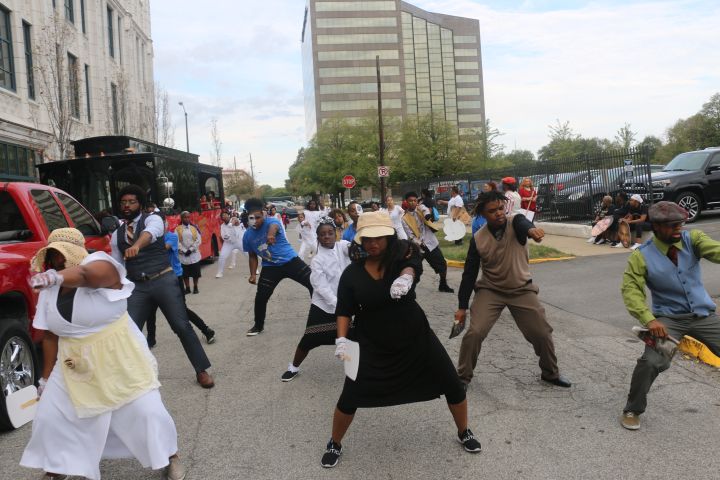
[348, 181]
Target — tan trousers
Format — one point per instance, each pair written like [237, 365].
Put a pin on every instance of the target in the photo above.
[529, 316]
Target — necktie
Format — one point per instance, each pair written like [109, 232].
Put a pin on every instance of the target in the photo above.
[673, 254]
[130, 233]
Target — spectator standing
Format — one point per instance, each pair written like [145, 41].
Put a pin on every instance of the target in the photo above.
[189, 249]
[528, 195]
[396, 214]
[513, 202]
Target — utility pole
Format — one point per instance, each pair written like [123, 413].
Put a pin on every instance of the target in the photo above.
[381, 133]
[252, 172]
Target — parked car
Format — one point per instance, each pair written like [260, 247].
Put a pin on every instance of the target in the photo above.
[28, 213]
[691, 179]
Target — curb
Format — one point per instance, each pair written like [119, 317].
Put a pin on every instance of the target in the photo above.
[698, 350]
[459, 264]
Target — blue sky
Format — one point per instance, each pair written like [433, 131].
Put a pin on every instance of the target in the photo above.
[597, 64]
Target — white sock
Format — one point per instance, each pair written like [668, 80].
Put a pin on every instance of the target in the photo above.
[292, 368]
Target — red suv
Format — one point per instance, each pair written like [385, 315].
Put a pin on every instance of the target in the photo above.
[28, 213]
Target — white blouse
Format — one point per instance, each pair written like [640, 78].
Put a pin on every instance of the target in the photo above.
[326, 268]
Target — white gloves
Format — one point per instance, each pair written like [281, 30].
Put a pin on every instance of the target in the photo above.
[401, 286]
[46, 279]
[41, 386]
[340, 346]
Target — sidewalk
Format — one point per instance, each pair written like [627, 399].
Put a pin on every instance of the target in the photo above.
[579, 247]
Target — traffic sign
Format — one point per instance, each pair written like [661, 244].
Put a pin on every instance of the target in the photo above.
[348, 181]
[383, 171]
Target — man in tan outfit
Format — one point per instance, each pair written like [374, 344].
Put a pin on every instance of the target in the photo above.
[500, 247]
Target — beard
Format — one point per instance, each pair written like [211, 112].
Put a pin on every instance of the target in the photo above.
[129, 215]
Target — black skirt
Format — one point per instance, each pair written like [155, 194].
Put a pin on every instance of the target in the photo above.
[321, 329]
[192, 270]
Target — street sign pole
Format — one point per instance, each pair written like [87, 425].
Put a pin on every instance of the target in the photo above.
[381, 133]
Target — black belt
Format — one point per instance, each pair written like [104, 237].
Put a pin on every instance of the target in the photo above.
[144, 277]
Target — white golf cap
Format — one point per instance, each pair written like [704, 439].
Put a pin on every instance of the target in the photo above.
[637, 198]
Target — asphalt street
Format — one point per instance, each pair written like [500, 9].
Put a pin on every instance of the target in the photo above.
[253, 426]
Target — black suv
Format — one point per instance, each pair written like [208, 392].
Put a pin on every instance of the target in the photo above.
[692, 180]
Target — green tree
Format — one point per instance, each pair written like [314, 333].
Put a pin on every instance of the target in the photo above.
[625, 137]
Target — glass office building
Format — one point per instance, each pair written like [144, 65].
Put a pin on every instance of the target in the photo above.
[429, 63]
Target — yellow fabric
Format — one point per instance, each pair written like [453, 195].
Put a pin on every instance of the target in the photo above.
[106, 370]
[193, 230]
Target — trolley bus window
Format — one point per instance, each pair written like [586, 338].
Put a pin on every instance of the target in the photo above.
[80, 217]
[49, 209]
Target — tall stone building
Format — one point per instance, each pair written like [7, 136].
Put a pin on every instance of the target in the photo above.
[71, 69]
[429, 62]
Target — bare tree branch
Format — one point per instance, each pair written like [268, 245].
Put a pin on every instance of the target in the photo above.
[216, 144]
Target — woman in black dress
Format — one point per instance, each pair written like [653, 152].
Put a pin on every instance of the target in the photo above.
[401, 359]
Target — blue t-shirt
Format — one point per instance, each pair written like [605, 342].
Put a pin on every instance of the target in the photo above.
[255, 241]
[171, 239]
[478, 223]
[349, 233]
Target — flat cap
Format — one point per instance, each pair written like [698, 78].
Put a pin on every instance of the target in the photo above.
[667, 212]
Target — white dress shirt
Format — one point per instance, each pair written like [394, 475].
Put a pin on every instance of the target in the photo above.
[455, 201]
[153, 225]
[427, 236]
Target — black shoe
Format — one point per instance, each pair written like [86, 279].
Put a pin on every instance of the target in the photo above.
[187, 289]
[195, 290]
[209, 335]
[469, 442]
[559, 382]
[288, 376]
[444, 287]
[254, 331]
[332, 454]
[151, 342]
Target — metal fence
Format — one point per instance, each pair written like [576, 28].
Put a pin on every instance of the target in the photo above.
[569, 190]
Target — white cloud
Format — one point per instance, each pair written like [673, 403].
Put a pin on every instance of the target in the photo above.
[597, 65]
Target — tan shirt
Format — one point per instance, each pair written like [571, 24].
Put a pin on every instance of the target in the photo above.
[505, 262]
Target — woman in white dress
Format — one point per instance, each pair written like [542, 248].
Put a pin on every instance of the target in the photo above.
[99, 394]
[396, 214]
[307, 236]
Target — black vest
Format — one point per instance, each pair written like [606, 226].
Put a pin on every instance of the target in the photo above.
[150, 260]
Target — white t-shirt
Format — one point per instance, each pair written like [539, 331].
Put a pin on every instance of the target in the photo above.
[455, 201]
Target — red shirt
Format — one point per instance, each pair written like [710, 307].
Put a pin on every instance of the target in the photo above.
[526, 194]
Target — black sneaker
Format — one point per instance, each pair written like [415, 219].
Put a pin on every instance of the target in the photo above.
[254, 331]
[195, 290]
[332, 455]
[288, 376]
[187, 289]
[444, 287]
[469, 442]
[209, 335]
[151, 342]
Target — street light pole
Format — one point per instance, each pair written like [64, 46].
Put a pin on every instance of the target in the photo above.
[187, 135]
[381, 133]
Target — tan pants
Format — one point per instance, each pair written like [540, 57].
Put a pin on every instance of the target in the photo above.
[529, 316]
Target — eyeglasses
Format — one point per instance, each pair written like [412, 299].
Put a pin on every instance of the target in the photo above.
[128, 202]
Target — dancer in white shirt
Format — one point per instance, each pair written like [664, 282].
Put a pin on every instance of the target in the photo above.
[327, 266]
[396, 214]
[308, 238]
[231, 231]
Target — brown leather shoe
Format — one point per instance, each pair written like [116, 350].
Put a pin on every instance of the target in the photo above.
[205, 380]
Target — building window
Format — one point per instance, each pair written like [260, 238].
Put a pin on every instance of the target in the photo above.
[357, 38]
[87, 93]
[352, 55]
[7, 68]
[470, 117]
[27, 37]
[465, 104]
[73, 86]
[70, 10]
[360, 6]
[119, 39]
[358, 71]
[466, 92]
[378, 22]
[111, 37]
[468, 78]
[358, 105]
[467, 66]
[82, 15]
[466, 52]
[358, 88]
[115, 108]
[16, 163]
[465, 39]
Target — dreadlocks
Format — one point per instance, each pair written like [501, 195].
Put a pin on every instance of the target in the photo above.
[487, 197]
